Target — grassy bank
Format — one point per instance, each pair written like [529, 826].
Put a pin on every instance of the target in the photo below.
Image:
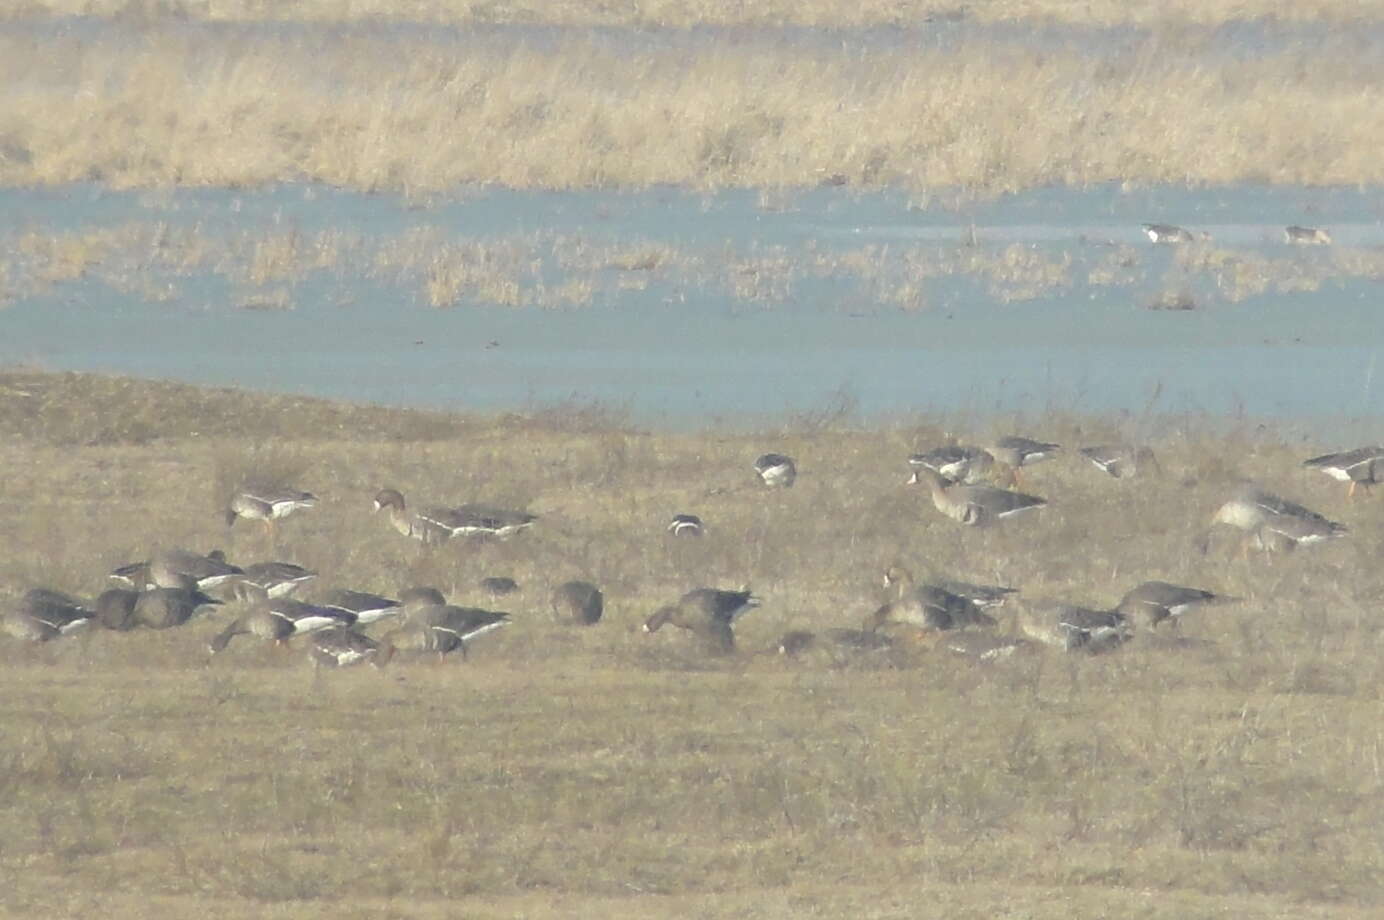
[178, 104]
[565, 773]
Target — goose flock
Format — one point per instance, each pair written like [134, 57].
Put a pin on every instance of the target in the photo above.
[971, 485]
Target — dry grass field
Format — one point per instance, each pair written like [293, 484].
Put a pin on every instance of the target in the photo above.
[174, 103]
[562, 772]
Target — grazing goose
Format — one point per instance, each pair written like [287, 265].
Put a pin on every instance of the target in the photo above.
[1120, 460]
[983, 596]
[1153, 602]
[499, 585]
[1363, 466]
[339, 647]
[267, 504]
[169, 569]
[366, 608]
[280, 619]
[847, 640]
[438, 525]
[43, 614]
[955, 464]
[707, 612]
[578, 602]
[1273, 523]
[1073, 628]
[277, 579]
[1306, 236]
[446, 630]
[925, 607]
[984, 646]
[685, 525]
[164, 608]
[1167, 234]
[977, 506]
[1013, 452]
[115, 609]
[776, 470]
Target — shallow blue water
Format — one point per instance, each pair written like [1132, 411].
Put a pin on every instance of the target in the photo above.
[681, 351]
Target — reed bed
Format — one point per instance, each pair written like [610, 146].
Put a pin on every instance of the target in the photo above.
[187, 105]
[564, 772]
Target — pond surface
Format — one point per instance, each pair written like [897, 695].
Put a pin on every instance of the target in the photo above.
[753, 304]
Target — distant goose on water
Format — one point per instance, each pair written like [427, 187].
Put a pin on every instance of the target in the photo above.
[707, 612]
[1362, 467]
[776, 470]
[1168, 234]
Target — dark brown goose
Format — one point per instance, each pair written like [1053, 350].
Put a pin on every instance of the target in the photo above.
[709, 613]
[578, 602]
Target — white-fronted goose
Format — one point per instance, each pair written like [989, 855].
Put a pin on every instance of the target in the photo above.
[1014, 452]
[168, 569]
[776, 470]
[442, 630]
[43, 614]
[115, 609]
[438, 525]
[366, 608]
[976, 506]
[165, 608]
[1168, 234]
[685, 525]
[1120, 460]
[1306, 236]
[267, 505]
[499, 585]
[1363, 466]
[901, 580]
[1071, 628]
[1273, 523]
[955, 464]
[339, 647]
[578, 602]
[1154, 602]
[279, 619]
[924, 607]
[277, 579]
[710, 613]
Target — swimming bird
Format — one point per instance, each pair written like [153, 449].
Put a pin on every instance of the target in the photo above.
[1167, 234]
[685, 525]
[1273, 523]
[977, 506]
[578, 602]
[1072, 628]
[955, 464]
[267, 505]
[707, 612]
[366, 608]
[340, 647]
[776, 470]
[1306, 236]
[43, 614]
[279, 619]
[438, 525]
[1120, 460]
[1155, 602]
[1363, 466]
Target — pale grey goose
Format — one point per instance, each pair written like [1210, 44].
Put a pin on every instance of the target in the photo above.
[983, 596]
[1363, 466]
[267, 504]
[43, 614]
[926, 607]
[1273, 523]
[709, 613]
[1306, 236]
[340, 647]
[441, 630]
[1072, 628]
[1120, 460]
[169, 568]
[365, 607]
[440, 524]
[578, 602]
[1155, 602]
[955, 464]
[976, 506]
[279, 619]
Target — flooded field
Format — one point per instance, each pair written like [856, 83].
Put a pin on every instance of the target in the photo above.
[686, 307]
